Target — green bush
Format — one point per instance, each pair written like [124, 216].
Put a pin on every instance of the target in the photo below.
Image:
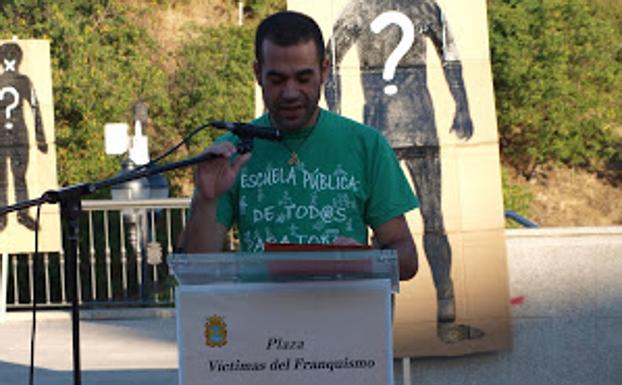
[101, 64]
[557, 69]
[557, 77]
[258, 9]
[214, 81]
[515, 197]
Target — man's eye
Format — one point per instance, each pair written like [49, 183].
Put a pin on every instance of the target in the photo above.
[304, 79]
[275, 80]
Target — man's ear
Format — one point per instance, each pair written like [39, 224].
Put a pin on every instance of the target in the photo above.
[257, 70]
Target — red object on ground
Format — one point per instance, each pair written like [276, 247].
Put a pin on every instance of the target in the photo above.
[517, 300]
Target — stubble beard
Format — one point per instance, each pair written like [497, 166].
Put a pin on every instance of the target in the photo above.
[310, 106]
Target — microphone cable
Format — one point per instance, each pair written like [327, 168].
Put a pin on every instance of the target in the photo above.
[36, 268]
[36, 265]
[175, 147]
[185, 140]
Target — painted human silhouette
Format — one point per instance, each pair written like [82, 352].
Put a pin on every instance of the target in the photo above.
[399, 104]
[15, 89]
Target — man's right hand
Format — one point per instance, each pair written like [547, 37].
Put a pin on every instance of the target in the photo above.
[214, 177]
[203, 233]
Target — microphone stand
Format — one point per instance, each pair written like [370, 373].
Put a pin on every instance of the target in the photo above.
[71, 205]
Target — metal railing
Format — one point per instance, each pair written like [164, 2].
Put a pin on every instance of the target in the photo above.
[121, 257]
[521, 220]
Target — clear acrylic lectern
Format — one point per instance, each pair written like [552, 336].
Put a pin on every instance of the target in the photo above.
[290, 318]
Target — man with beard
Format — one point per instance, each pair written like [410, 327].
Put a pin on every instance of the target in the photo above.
[326, 182]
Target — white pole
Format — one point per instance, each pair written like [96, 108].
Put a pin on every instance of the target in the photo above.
[240, 13]
[406, 371]
[4, 278]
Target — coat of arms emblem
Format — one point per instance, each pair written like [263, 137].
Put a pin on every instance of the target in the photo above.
[215, 332]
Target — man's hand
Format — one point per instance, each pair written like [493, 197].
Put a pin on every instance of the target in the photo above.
[462, 125]
[214, 177]
[203, 233]
[396, 235]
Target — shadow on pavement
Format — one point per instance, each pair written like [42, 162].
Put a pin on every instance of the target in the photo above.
[12, 374]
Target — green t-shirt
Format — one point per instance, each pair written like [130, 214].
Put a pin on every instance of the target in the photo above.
[347, 178]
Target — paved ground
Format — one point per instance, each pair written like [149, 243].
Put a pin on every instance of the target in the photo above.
[120, 352]
[568, 331]
[120, 347]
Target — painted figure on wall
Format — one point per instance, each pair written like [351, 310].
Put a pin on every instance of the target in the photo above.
[15, 89]
[391, 37]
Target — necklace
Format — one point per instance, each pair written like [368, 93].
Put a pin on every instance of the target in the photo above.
[293, 153]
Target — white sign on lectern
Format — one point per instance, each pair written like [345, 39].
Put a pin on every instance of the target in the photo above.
[259, 319]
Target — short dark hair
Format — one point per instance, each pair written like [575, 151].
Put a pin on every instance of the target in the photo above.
[288, 28]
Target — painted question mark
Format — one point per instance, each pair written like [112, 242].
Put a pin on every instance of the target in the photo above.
[9, 109]
[408, 37]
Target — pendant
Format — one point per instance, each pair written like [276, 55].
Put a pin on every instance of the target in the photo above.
[293, 159]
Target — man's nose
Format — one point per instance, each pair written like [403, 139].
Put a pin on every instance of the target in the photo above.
[291, 90]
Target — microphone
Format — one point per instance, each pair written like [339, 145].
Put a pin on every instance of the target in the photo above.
[247, 130]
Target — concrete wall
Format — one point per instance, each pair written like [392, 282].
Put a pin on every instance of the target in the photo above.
[567, 315]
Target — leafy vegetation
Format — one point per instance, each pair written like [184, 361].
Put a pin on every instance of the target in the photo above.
[214, 80]
[557, 69]
[258, 9]
[558, 78]
[102, 64]
[515, 197]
